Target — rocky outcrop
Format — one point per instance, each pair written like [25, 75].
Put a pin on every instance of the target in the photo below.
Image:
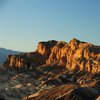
[48, 82]
[66, 92]
[44, 48]
[75, 56]
[55, 71]
[25, 60]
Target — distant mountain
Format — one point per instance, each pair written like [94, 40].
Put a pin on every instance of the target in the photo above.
[4, 52]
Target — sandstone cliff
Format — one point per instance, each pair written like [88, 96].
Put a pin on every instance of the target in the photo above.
[75, 56]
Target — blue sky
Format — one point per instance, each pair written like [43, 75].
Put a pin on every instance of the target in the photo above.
[23, 23]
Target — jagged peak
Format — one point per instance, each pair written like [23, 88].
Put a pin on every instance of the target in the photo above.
[74, 40]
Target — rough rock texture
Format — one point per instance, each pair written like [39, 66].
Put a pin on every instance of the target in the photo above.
[56, 81]
[44, 48]
[55, 71]
[75, 56]
[67, 92]
[25, 60]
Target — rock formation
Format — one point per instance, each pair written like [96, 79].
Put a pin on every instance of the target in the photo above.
[66, 92]
[56, 70]
[75, 56]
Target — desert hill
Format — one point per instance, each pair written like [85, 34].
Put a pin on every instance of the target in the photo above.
[56, 70]
[75, 56]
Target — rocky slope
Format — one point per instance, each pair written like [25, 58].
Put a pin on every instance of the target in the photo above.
[75, 56]
[67, 92]
[55, 71]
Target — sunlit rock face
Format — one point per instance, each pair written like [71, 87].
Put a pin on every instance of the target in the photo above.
[56, 70]
[75, 56]
[44, 48]
[25, 61]
[83, 56]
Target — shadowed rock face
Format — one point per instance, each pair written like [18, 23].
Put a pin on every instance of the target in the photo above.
[66, 92]
[75, 56]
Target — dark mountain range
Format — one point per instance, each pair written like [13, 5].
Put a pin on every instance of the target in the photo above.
[4, 52]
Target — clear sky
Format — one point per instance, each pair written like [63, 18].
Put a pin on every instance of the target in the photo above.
[23, 23]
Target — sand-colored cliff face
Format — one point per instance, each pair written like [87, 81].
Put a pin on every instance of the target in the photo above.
[44, 48]
[75, 55]
[26, 60]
